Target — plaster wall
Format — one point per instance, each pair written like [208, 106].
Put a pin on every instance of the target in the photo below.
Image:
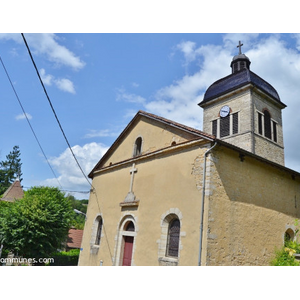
[164, 185]
[251, 205]
[149, 130]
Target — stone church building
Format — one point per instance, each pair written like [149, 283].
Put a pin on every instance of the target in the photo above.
[167, 194]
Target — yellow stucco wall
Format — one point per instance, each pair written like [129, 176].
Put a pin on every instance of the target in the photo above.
[162, 185]
[251, 206]
[165, 183]
[149, 130]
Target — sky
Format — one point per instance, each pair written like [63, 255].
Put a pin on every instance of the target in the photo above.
[97, 82]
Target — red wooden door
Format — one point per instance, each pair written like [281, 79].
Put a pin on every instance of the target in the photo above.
[127, 250]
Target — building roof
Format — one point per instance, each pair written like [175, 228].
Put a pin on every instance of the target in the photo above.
[14, 192]
[74, 238]
[237, 80]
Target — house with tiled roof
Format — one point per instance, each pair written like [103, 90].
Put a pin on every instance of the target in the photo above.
[14, 192]
[165, 194]
[74, 239]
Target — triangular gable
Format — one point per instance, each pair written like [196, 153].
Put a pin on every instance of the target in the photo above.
[156, 133]
[14, 192]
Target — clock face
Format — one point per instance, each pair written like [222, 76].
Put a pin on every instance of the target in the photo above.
[224, 112]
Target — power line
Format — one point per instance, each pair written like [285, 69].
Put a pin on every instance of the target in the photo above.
[79, 166]
[28, 120]
[53, 110]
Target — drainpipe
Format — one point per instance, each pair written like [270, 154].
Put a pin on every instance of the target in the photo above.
[203, 197]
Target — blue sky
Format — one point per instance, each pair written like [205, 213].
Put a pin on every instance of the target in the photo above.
[97, 82]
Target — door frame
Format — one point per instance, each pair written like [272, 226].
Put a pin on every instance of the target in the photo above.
[120, 243]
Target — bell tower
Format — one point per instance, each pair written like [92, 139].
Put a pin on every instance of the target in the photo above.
[245, 110]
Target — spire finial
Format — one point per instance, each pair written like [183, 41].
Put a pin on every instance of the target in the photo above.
[240, 47]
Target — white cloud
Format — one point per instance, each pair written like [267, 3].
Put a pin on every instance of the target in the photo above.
[63, 84]
[70, 176]
[179, 100]
[131, 98]
[23, 117]
[46, 78]
[188, 49]
[47, 44]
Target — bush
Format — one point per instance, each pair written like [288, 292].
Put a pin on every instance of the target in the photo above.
[63, 258]
[285, 257]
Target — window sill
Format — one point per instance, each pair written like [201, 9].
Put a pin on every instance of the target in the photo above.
[94, 249]
[168, 261]
[129, 204]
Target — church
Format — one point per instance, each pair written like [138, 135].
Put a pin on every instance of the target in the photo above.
[166, 194]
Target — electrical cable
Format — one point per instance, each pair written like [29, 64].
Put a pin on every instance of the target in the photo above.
[20, 103]
[70, 148]
[61, 129]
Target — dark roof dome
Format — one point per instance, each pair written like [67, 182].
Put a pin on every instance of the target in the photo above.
[237, 80]
[241, 76]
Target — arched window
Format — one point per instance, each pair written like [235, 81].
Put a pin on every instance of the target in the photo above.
[129, 226]
[99, 231]
[173, 238]
[267, 124]
[289, 236]
[137, 147]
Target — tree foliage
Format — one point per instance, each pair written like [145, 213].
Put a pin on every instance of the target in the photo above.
[10, 169]
[81, 205]
[36, 225]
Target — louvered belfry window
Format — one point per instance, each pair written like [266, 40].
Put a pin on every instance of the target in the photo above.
[225, 126]
[214, 127]
[267, 120]
[173, 238]
[235, 123]
[274, 132]
[260, 124]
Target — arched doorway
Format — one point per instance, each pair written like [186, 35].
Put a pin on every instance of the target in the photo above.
[128, 244]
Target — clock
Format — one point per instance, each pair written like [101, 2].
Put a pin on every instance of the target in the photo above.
[224, 111]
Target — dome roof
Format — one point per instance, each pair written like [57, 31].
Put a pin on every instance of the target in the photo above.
[240, 56]
[236, 80]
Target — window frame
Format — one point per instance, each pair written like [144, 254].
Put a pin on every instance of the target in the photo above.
[99, 231]
[137, 148]
[171, 250]
[267, 126]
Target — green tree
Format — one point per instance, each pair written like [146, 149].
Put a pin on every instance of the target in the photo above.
[81, 205]
[10, 169]
[36, 225]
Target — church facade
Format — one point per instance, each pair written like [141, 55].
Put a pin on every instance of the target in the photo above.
[166, 194]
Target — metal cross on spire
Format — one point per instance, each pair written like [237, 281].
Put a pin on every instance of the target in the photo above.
[240, 47]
